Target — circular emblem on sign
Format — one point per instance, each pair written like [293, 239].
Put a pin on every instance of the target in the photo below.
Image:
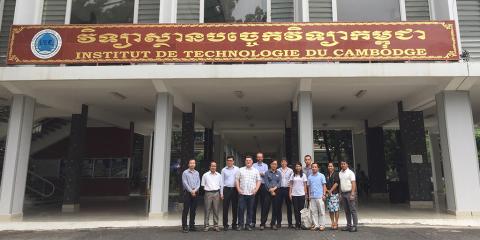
[46, 44]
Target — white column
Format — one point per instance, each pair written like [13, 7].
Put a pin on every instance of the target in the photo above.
[17, 153]
[459, 152]
[168, 11]
[28, 12]
[305, 124]
[161, 155]
[360, 151]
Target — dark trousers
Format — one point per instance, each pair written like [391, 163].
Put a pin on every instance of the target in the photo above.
[230, 197]
[298, 205]
[189, 206]
[259, 197]
[350, 207]
[275, 202]
[284, 192]
[245, 202]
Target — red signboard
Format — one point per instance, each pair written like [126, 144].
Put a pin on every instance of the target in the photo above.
[252, 42]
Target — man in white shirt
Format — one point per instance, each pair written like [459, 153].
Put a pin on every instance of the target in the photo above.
[247, 182]
[230, 194]
[348, 189]
[212, 184]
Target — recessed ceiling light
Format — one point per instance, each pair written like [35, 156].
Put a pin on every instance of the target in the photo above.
[118, 95]
[360, 93]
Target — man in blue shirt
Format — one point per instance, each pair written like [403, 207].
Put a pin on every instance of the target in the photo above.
[191, 185]
[317, 189]
[262, 192]
[273, 180]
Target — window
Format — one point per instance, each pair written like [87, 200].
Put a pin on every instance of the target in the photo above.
[368, 10]
[102, 11]
[235, 11]
[106, 168]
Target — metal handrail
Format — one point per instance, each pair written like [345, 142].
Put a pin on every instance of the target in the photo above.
[45, 181]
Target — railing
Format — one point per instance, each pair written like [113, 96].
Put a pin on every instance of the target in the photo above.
[45, 185]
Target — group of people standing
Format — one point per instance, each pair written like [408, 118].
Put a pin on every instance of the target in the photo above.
[244, 188]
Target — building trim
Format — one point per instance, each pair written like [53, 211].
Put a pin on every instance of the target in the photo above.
[200, 71]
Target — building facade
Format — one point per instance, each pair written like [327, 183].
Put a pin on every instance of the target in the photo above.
[283, 109]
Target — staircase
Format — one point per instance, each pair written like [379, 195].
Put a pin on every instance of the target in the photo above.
[42, 190]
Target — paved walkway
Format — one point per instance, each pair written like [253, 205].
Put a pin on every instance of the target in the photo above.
[370, 233]
[107, 214]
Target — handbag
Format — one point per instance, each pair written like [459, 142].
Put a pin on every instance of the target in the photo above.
[306, 216]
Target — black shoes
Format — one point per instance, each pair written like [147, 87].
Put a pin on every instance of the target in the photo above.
[193, 229]
[346, 229]
[350, 229]
[185, 230]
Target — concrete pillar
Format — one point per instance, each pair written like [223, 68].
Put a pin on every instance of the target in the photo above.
[188, 137]
[17, 154]
[75, 156]
[414, 156]
[437, 177]
[376, 161]
[294, 151]
[459, 152]
[28, 12]
[305, 124]
[161, 155]
[360, 152]
[168, 11]
[301, 11]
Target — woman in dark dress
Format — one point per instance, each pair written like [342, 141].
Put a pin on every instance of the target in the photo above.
[333, 200]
